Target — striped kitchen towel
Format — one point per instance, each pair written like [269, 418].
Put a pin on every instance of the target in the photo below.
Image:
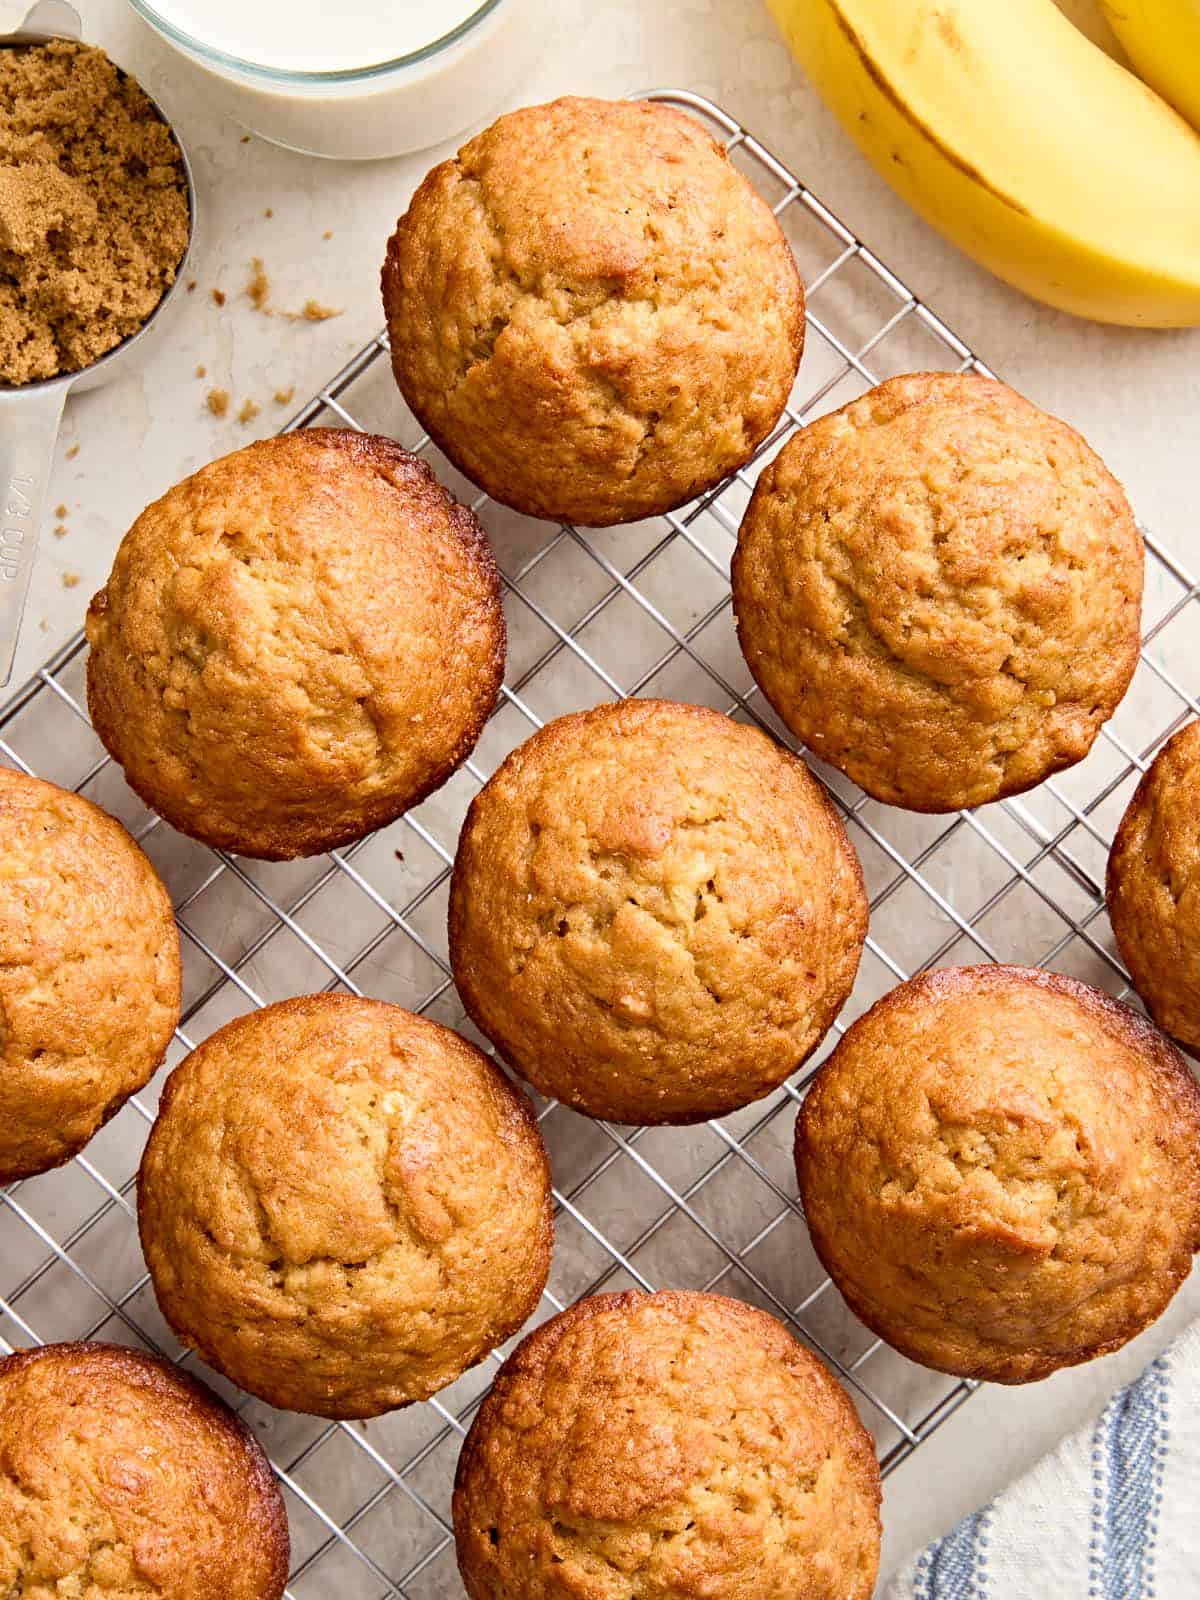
[1112, 1514]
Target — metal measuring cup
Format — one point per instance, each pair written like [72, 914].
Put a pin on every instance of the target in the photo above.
[30, 413]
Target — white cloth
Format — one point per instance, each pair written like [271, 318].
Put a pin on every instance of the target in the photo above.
[1112, 1514]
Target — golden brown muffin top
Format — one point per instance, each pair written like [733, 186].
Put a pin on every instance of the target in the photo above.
[343, 1205]
[938, 588]
[297, 643]
[123, 1477]
[1000, 1168]
[592, 311]
[1154, 887]
[89, 972]
[638, 1446]
[655, 912]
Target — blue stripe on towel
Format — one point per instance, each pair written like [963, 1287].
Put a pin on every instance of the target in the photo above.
[1130, 1442]
[955, 1567]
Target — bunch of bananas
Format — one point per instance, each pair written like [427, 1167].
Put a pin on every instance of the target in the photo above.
[1013, 134]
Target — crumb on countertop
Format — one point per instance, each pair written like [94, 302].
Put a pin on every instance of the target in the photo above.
[314, 311]
[72, 453]
[60, 531]
[191, 288]
[60, 511]
[284, 397]
[268, 212]
[217, 401]
[70, 580]
[328, 234]
[202, 371]
[258, 291]
[259, 287]
[250, 409]
[219, 296]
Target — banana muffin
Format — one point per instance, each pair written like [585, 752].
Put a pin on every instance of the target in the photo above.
[592, 312]
[343, 1206]
[123, 1477]
[655, 912]
[1001, 1171]
[1154, 888]
[938, 588]
[296, 644]
[638, 1446]
[89, 973]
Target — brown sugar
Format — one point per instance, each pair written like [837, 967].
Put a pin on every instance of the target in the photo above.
[217, 401]
[314, 311]
[259, 287]
[250, 409]
[93, 209]
[70, 580]
[72, 452]
[258, 292]
[284, 397]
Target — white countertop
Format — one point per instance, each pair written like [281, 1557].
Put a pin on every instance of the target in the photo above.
[1136, 396]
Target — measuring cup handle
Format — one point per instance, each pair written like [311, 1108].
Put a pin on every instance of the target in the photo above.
[28, 430]
[54, 17]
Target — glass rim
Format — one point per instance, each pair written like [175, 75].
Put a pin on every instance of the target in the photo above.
[300, 75]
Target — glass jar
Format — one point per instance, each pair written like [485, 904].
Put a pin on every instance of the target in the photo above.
[383, 108]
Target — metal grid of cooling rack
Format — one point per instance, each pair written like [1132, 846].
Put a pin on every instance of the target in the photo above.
[592, 615]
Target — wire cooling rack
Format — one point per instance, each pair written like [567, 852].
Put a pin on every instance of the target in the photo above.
[592, 615]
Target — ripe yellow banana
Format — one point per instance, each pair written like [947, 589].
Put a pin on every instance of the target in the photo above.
[1021, 141]
[1162, 39]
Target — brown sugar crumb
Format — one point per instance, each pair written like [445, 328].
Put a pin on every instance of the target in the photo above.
[219, 296]
[202, 371]
[60, 531]
[72, 453]
[284, 397]
[191, 288]
[60, 511]
[258, 291]
[217, 401]
[314, 311]
[245, 138]
[259, 287]
[328, 234]
[93, 209]
[250, 409]
[70, 580]
[268, 212]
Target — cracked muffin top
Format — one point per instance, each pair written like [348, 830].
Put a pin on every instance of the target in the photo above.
[89, 973]
[1154, 888]
[343, 1206]
[592, 312]
[638, 1446]
[1000, 1169]
[655, 912]
[939, 588]
[296, 644]
[122, 1477]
